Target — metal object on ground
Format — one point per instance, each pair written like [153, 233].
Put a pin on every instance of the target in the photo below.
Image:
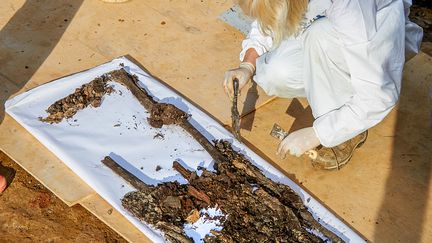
[235, 116]
[278, 132]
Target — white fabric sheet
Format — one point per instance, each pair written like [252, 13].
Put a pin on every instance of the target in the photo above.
[119, 128]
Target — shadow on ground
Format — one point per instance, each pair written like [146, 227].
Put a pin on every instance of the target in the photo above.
[249, 105]
[302, 116]
[407, 186]
[28, 39]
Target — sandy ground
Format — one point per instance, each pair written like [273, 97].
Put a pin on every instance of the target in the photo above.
[29, 212]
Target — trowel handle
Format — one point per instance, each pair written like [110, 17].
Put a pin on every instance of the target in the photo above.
[235, 86]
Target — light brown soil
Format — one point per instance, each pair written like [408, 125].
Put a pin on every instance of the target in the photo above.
[29, 213]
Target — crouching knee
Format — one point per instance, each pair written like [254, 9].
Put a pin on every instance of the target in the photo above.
[280, 75]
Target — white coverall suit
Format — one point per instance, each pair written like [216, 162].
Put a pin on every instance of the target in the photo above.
[347, 61]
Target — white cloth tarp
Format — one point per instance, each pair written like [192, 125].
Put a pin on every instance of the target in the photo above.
[119, 128]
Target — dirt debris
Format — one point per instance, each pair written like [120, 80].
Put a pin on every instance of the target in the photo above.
[164, 207]
[88, 94]
[29, 212]
[257, 209]
[43, 200]
[166, 114]
[193, 216]
[158, 136]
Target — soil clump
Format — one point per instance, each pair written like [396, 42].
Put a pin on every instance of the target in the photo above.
[88, 94]
[257, 208]
[166, 114]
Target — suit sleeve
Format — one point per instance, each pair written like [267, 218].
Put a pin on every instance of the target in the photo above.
[256, 40]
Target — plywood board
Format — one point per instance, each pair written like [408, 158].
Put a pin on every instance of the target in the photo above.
[111, 217]
[32, 156]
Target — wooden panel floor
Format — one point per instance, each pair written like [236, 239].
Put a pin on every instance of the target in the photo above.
[383, 192]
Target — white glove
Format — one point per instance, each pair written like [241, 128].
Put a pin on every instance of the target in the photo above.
[243, 73]
[299, 142]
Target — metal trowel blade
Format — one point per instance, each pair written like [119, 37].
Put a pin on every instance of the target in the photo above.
[278, 132]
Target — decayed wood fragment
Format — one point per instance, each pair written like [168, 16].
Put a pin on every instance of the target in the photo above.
[193, 216]
[183, 171]
[174, 233]
[280, 192]
[198, 194]
[129, 177]
[189, 175]
[89, 94]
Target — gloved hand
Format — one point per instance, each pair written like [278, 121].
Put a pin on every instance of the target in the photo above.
[243, 73]
[299, 142]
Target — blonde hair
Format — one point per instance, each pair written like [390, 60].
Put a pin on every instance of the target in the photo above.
[277, 18]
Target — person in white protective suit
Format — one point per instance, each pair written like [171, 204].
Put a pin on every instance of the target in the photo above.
[345, 56]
